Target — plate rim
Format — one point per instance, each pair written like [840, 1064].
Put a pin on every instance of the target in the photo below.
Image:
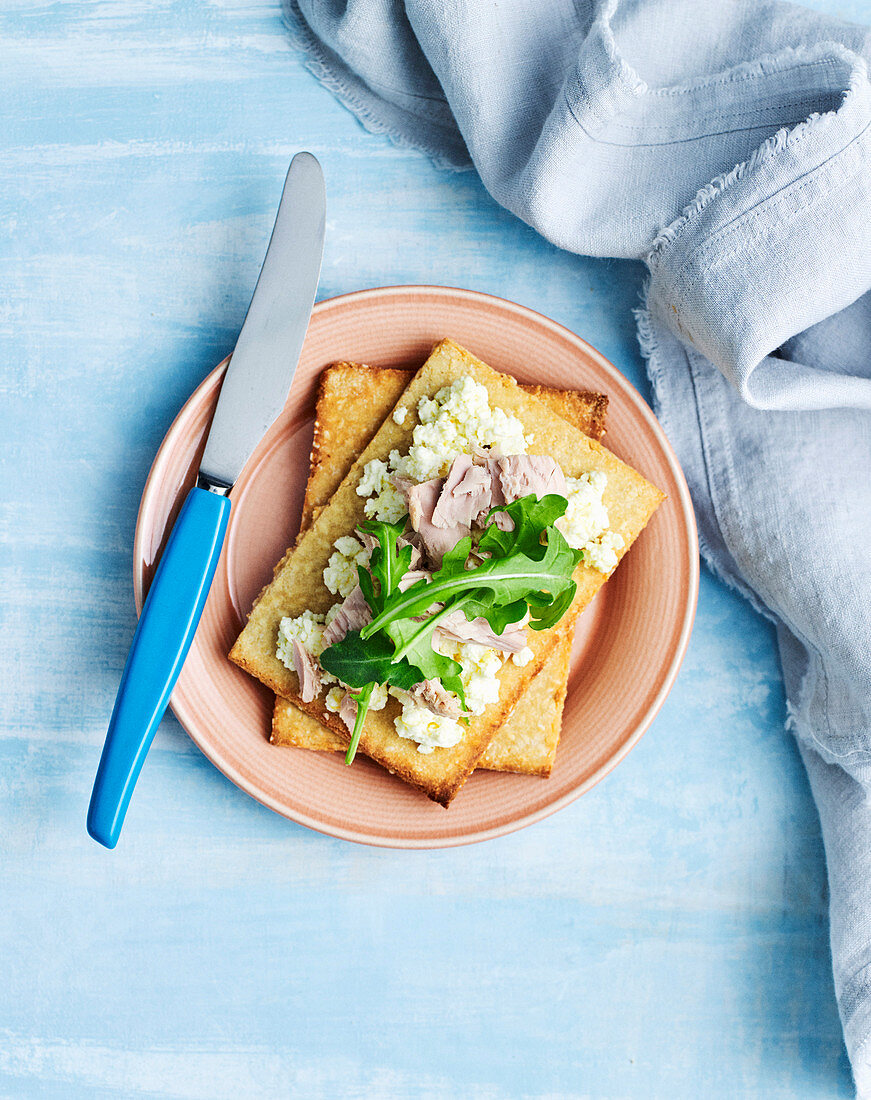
[690, 538]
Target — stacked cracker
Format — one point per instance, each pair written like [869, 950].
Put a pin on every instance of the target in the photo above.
[353, 400]
[521, 731]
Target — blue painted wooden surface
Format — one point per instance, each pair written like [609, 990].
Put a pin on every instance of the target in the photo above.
[665, 936]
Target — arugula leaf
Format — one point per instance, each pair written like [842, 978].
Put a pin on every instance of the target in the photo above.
[530, 516]
[545, 614]
[357, 663]
[414, 644]
[512, 578]
[454, 561]
[367, 587]
[484, 605]
[387, 562]
[455, 684]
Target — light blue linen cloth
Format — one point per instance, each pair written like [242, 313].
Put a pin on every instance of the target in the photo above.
[728, 144]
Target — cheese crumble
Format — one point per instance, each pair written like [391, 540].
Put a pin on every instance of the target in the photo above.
[480, 671]
[430, 731]
[458, 420]
[307, 629]
[522, 657]
[586, 522]
[334, 699]
[340, 575]
[385, 500]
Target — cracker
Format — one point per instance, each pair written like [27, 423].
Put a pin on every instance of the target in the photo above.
[298, 584]
[526, 744]
[528, 740]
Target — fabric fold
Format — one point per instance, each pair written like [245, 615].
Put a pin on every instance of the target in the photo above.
[713, 267]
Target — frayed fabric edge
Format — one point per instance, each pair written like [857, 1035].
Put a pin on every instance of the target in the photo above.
[795, 721]
[319, 65]
[785, 137]
[650, 353]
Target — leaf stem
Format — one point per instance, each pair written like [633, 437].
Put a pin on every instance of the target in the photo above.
[361, 698]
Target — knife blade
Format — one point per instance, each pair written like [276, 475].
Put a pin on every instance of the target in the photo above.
[253, 393]
[263, 362]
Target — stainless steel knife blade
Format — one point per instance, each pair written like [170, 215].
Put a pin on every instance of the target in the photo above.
[264, 360]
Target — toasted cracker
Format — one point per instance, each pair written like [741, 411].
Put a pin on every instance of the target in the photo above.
[298, 583]
[527, 742]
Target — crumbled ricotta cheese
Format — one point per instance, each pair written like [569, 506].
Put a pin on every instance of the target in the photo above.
[586, 523]
[522, 657]
[602, 553]
[400, 415]
[377, 701]
[430, 731]
[458, 420]
[307, 629]
[480, 667]
[385, 502]
[479, 676]
[340, 575]
[378, 698]
[334, 699]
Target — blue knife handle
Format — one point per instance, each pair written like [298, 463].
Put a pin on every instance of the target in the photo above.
[163, 637]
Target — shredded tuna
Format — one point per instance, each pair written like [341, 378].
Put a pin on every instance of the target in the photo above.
[466, 492]
[369, 541]
[411, 540]
[348, 711]
[520, 475]
[353, 614]
[412, 577]
[490, 466]
[435, 698]
[516, 476]
[306, 668]
[422, 500]
[458, 628]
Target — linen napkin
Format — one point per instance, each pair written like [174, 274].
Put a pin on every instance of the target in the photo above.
[729, 146]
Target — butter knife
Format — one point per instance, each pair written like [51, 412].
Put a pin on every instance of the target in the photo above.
[253, 393]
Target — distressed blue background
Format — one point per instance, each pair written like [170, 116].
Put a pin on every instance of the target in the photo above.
[664, 937]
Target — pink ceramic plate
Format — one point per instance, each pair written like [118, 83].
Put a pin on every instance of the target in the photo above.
[630, 641]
